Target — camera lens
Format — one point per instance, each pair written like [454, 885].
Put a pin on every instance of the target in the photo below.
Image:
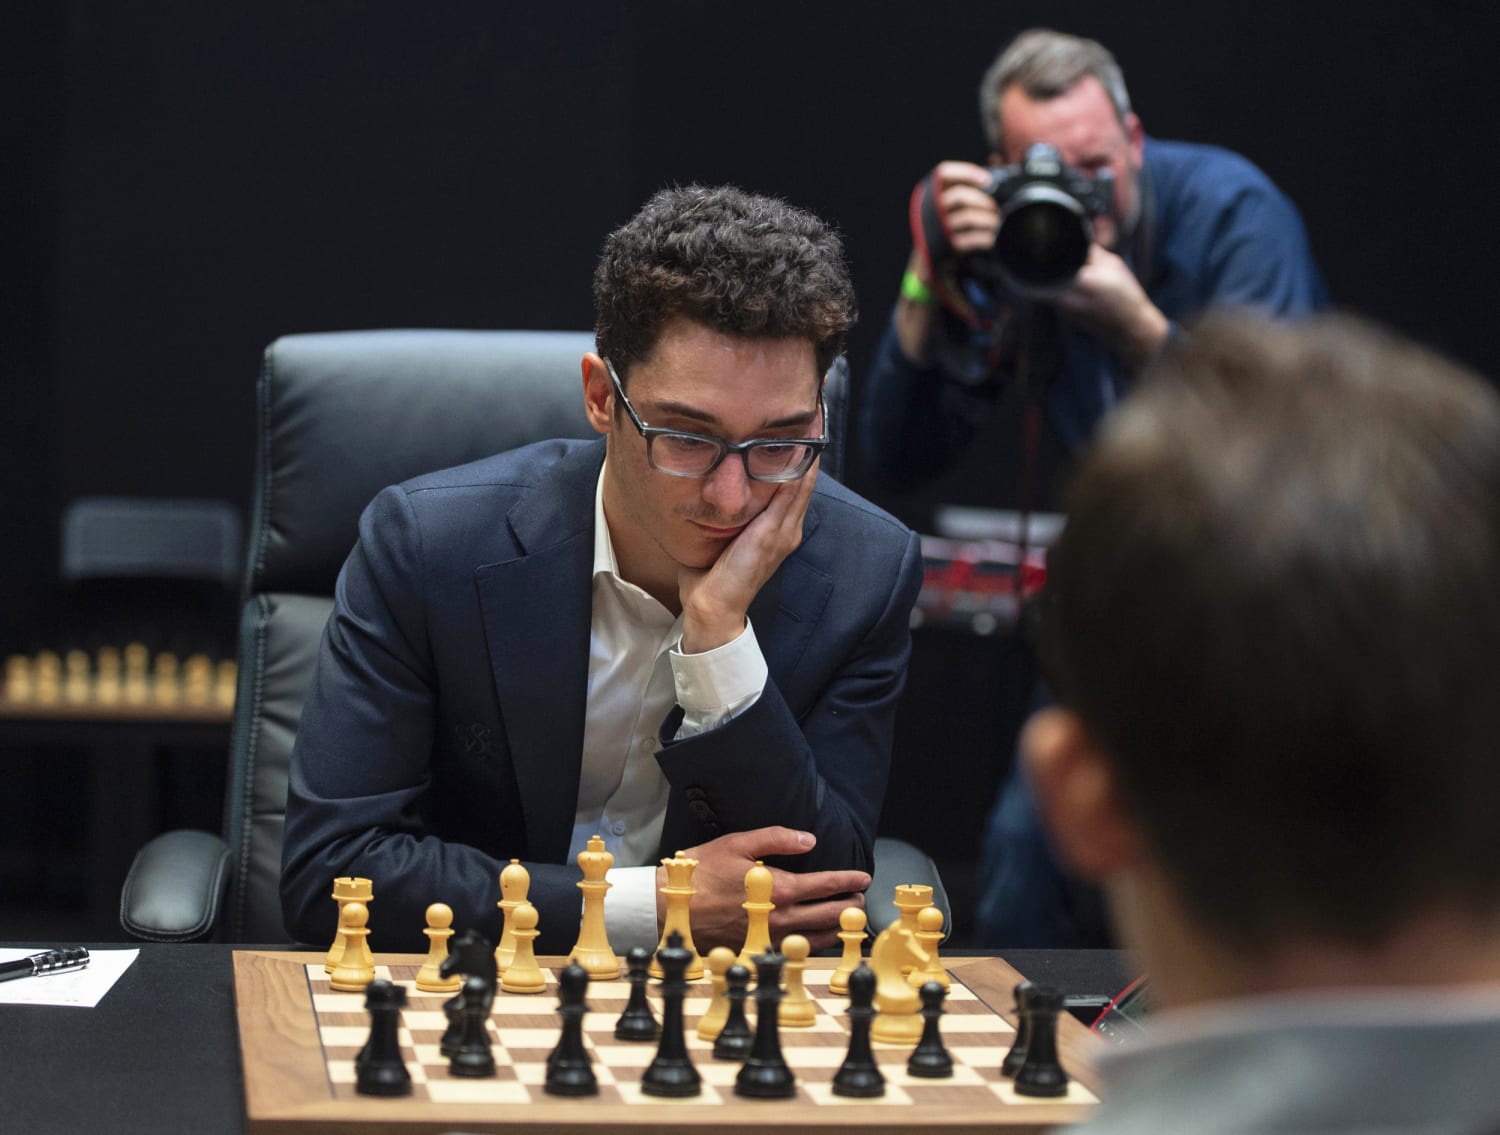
[1043, 239]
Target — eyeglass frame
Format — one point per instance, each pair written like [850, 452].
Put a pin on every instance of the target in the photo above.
[743, 448]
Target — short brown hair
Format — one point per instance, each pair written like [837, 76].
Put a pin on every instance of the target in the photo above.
[744, 265]
[1276, 605]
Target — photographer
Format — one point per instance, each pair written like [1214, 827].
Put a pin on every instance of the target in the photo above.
[1054, 320]
[1189, 227]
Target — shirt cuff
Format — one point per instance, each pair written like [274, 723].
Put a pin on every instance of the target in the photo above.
[714, 686]
[630, 909]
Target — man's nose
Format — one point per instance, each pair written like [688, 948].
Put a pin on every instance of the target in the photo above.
[727, 488]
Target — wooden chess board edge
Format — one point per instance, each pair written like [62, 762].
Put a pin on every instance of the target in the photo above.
[287, 1091]
[996, 988]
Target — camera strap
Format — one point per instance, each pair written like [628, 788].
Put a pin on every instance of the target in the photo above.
[933, 241]
[1026, 332]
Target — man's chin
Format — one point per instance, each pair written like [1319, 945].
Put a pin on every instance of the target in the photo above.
[700, 555]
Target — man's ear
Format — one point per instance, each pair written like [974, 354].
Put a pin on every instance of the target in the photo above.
[1135, 135]
[598, 393]
[1078, 795]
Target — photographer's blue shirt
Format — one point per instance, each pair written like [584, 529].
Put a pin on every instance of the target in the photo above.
[1214, 231]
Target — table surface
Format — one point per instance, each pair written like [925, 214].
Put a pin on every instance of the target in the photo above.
[160, 1054]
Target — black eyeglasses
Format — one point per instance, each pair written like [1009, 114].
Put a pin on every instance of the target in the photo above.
[681, 454]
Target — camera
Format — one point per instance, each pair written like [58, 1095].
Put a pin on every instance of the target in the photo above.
[1046, 219]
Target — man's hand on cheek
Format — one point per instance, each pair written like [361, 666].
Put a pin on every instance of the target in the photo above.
[715, 599]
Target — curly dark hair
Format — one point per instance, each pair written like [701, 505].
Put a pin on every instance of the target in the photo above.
[744, 265]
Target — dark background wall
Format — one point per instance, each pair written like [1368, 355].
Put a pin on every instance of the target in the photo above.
[187, 181]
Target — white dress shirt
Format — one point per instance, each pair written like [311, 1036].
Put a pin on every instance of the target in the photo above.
[637, 672]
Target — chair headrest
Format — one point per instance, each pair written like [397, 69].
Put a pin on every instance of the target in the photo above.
[344, 414]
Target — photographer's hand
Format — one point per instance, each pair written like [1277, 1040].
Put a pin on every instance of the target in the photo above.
[970, 214]
[972, 219]
[1107, 300]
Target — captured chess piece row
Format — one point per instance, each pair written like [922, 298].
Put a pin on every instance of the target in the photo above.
[115, 677]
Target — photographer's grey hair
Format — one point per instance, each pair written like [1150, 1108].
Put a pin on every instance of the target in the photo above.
[1046, 64]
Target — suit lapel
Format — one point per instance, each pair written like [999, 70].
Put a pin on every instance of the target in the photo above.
[537, 610]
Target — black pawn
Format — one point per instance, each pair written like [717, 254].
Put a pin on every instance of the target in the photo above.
[569, 1072]
[379, 1070]
[473, 1056]
[1017, 1054]
[930, 1059]
[859, 1076]
[637, 1022]
[736, 1038]
[1042, 1074]
[765, 1074]
[672, 1073]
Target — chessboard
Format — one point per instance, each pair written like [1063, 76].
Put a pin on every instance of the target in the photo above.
[299, 1037]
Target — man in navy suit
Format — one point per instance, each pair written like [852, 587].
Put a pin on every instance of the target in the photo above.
[677, 638]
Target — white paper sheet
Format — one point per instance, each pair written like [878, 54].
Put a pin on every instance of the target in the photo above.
[80, 988]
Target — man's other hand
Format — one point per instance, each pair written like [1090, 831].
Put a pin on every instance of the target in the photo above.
[807, 903]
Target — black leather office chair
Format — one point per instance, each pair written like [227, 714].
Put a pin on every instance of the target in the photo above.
[340, 416]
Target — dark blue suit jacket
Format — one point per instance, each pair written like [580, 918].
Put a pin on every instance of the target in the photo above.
[444, 730]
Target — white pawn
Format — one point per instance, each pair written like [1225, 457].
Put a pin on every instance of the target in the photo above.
[224, 680]
[523, 975]
[720, 958]
[853, 934]
[348, 889]
[797, 1009]
[76, 684]
[439, 930]
[47, 668]
[757, 907]
[515, 886]
[107, 688]
[352, 972]
[929, 934]
[18, 680]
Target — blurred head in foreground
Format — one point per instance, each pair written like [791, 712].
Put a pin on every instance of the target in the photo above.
[1273, 629]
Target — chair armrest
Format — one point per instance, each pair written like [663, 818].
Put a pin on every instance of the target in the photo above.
[897, 863]
[175, 886]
